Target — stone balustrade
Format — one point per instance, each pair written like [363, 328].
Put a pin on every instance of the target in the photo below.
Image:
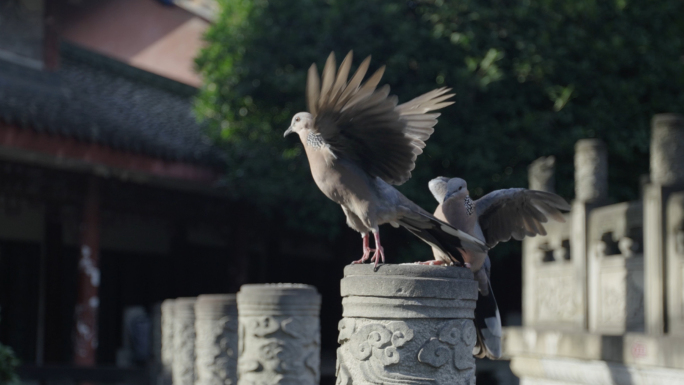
[611, 310]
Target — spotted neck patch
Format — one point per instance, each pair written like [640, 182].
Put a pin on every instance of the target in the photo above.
[315, 140]
[468, 205]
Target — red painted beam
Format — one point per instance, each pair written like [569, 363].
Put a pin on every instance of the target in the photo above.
[12, 136]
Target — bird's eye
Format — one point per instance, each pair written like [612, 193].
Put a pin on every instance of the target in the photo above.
[460, 188]
[297, 119]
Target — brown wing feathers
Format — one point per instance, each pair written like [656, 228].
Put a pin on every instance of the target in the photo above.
[365, 125]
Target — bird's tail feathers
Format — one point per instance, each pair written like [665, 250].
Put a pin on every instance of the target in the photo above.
[442, 236]
[488, 325]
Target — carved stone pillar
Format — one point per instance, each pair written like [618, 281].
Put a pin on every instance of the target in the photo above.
[166, 373]
[279, 333]
[540, 174]
[667, 149]
[591, 171]
[407, 324]
[216, 326]
[184, 341]
[667, 176]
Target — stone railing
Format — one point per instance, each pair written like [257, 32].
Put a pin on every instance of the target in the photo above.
[616, 268]
[614, 312]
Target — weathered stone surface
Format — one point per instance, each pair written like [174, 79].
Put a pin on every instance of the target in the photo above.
[166, 371]
[667, 149]
[216, 326]
[591, 170]
[184, 341]
[541, 174]
[279, 334]
[407, 324]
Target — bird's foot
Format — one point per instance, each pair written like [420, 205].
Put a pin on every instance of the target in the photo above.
[365, 257]
[366, 250]
[379, 255]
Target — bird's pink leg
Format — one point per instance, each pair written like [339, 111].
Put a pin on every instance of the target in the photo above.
[366, 249]
[379, 251]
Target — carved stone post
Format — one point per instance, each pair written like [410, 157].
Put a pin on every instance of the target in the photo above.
[216, 326]
[591, 191]
[407, 324]
[667, 176]
[667, 149]
[591, 170]
[166, 375]
[184, 341]
[279, 333]
[541, 174]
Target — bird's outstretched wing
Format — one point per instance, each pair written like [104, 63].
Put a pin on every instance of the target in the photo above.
[365, 125]
[517, 212]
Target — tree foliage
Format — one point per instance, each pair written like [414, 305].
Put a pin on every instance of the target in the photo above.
[531, 78]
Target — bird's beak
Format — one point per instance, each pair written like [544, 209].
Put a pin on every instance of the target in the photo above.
[288, 131]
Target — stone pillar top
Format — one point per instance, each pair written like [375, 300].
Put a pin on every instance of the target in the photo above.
[184, 305]
[278, 299]
[207, 304]
[540, 174]
[667, 149]
[408, 291]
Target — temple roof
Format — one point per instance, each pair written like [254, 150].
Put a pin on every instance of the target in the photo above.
[96, 99]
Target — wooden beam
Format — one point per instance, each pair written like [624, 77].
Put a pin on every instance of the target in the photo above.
[27, 145]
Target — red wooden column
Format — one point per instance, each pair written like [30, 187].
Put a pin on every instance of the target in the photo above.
[88, 301]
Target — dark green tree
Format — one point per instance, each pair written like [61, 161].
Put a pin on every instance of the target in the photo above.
[531, 78]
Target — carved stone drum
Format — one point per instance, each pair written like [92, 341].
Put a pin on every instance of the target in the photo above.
[407, 324]
[184, 341]
[279, 334]
[165, 375]
[216, 326]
